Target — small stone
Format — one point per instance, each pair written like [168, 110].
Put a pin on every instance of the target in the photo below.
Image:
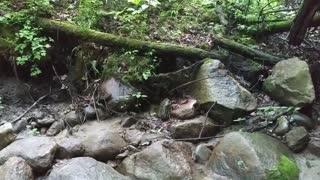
[314, 146]
[20, 125]
[72, 118]
[129, 121]
[6, 135]
[69, 148]
[38, 114]
[89, 112]
[165, 109]
[300, 119]
[33, 124]
[43, 130]
[282, 126]
[55, 128]
[297, 138]
[202, 153]
[46, 121]
[16, 168]
[123, 155]
[184, 110]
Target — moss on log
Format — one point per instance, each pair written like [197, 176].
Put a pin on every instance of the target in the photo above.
[107, 39]
[238, 48]
[280, 27]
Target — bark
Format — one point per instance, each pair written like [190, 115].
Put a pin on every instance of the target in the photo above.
[280, 27]
[303, 20]
[89, 35]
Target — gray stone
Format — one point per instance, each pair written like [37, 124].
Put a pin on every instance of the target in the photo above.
[72, 118]
[230, 98]
[69, 148]
[184, 110]
[300, 119]
[46, 121]
[16, 168]
[136, 137]
[290, 83]
[129, 121]
[192, 128]
[55, 128]
[6, 135]
[100, 141]
[83, 168]
[20, 125]
[249, 156]
[164, 109]
[314, 146]
[162, 160]
[119, 96]
[297, 138]
[202, 153]
[89, 112]
[37, 151]
[282, 126]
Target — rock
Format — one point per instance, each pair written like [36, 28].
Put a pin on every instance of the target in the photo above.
[184, 110]
[297, 138]
[191, 128]
[241, 155]
[6, 135]
[69, 148]
[37, 151]
[290, 83]
[121, 98]
[314, 146]
[162, 160]
[37, 114]
[300, 119]
[83, 168]
[202, 153]
[89, 112]
[164, 109]
[100, 141]
[16, 168]
[129, 121]
[46, 121]
[282, 126]
[72, 118]
[230, 98]
[135, 137]
[55, 128]
[20, 125]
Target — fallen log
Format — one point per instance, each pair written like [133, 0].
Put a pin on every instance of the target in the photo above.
[107, 39]
[245, 51]
[279, 27]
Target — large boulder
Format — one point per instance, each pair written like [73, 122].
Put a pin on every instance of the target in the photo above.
[83, 168]
[218, 87]
[37, 151]
[290, 83]
[16, 168]
[6, 135]
[192, 128]
[255, 156]
[162, 160]
[100, 140]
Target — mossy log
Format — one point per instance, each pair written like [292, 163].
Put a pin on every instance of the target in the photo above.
[281, 26]
[89, 35]
[245, 51]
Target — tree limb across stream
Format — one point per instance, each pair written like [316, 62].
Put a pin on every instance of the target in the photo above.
[89, 35]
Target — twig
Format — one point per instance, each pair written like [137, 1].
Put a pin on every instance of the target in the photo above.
[205, 121]
[32, 106]
[190, 82]
[63, 86]
[201, 138]
[94, 102]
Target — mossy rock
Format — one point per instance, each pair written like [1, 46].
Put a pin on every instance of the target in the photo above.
[286, 169]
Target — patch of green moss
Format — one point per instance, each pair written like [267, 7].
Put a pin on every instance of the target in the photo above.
[286, 169]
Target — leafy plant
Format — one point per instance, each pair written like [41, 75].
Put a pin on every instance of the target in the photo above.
[88, 13]
[130, 66]
[286, 169]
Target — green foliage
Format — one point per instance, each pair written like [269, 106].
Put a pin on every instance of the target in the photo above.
[286, 169]
[31, 47]
[130, 66]
[87, 15]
